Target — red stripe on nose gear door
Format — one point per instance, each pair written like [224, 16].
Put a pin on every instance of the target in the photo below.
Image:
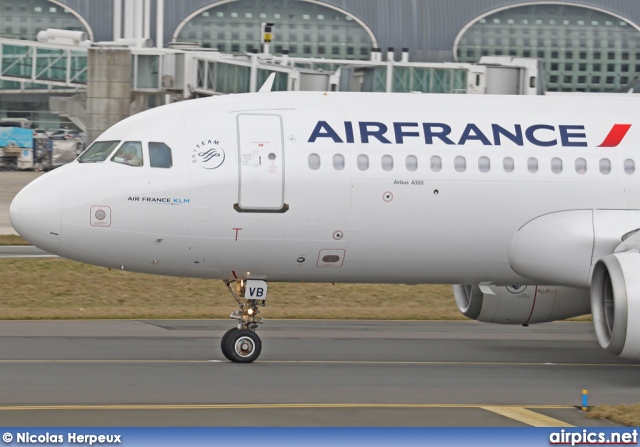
[533, 306]
[615, 136]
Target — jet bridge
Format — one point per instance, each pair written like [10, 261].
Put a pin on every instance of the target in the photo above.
[192, 71]
[112, 80]
[38, 65]
[50, 66]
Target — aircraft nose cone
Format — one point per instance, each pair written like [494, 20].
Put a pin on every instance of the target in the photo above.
[36, 214]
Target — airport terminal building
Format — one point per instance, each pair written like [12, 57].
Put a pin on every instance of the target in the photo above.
[585, 45]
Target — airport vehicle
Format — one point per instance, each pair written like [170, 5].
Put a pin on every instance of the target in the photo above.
[16, 148]
[22, 123]
[531, 205]
[65, 134]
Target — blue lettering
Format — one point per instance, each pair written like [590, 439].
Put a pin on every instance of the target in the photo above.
[430, 134]
[515, 137]
[348, 127]
[377, 133]
[400, 134]
[532, 138]
[543, 135]
[565, 135]
[471, 132]
[324, 130]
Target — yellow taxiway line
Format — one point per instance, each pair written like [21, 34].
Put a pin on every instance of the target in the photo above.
[519, 413]
[267, 406]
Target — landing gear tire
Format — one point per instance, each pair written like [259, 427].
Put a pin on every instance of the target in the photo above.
[223, 342]
[243, 346]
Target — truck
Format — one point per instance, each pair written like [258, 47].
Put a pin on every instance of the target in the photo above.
[16, 148]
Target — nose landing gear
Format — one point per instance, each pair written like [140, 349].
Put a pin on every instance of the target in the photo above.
[241, 344]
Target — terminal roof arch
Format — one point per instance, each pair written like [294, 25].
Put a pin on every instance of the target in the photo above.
[518, 5]
[77, 15]
[584, 47]
[23, 19]
[363, 42]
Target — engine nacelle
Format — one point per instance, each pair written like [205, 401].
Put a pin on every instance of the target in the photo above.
[615, 301]
[521, 304]
[562, 248]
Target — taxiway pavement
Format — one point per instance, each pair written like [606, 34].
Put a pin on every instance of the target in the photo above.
[337, 373]
[23, 251]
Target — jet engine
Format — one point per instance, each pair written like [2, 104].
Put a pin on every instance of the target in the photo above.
[615, 301]
[521, 304]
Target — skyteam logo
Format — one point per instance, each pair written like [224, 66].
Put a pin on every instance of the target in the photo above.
[208, 154]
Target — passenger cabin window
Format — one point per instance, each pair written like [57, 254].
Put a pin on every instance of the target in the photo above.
[387, 162]
[436, 163]
[605, 166]
[581, 165]
[160, 156]
[338, 162]
[556, 165]
[629, 166]
[460, 163]
[484, 164]
[363, 162]
[508, 164]
[314, 162]
[130, 153]
[412, 163]
[532, 164]
[98, 151]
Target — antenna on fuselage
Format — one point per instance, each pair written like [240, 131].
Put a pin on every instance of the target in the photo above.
[268, 84]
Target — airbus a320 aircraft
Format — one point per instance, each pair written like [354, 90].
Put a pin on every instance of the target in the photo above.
[480, 191]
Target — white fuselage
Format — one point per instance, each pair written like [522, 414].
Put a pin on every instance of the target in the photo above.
[226, 210]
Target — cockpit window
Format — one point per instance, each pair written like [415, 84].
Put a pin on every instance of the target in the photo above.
[160, 155]
[98, 152]
[130, 153]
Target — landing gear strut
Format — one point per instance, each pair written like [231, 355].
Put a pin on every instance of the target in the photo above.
[241, 344]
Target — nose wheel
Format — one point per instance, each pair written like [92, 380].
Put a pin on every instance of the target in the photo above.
[241, 344]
